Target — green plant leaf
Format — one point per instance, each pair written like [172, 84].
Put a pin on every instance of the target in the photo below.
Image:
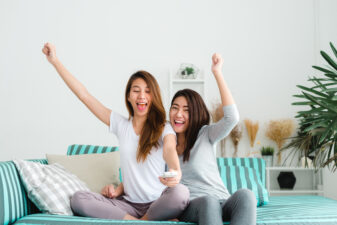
[312, 98]
[333, 49]
[326, 84]
[321, 69]
[311, 90]
[321, 124]
[299, 96]
[327, 131]
[329, 60]
[303, 103]
[331, 90]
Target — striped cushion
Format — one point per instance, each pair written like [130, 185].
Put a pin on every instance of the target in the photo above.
[46, 219]
[258, 164]
[89, 149]
[13, 198]
[281, 210]
[237, 177]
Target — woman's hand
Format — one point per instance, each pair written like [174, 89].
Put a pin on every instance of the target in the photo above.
[109, 191]
[217, 62]
[50, 51]
[171, 181]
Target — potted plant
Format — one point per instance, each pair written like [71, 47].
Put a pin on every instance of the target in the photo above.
[317, 135]
[267, 154]
[188, 71]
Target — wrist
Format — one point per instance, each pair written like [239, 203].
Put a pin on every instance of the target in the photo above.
[56, 62]
[217, 73]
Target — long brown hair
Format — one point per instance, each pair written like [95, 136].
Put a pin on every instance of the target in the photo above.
[198, 117]
[155, 121]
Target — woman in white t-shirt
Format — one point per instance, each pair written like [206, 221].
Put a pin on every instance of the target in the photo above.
[147, 142]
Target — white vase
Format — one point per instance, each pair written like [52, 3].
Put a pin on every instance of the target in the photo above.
[268, 159]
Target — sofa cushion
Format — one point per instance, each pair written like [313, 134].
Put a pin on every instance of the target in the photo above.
[237, 177]
[96, 170]
[258, 164]
[92, 149]
[49, 186]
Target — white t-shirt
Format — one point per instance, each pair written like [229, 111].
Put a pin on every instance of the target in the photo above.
[140, 180]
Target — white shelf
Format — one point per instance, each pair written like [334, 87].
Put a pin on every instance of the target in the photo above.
[288, 168]
[307, 181]
[177, 83]
[295, 191]
[188, 81]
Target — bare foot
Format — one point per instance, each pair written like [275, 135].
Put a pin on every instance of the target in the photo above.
[129, 217]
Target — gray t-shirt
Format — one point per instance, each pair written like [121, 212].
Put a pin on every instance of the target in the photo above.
[200, 173]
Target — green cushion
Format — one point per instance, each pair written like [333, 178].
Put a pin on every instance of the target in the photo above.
[258, 164]
[238, 177]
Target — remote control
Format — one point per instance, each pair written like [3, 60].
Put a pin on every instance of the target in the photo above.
[169, 174]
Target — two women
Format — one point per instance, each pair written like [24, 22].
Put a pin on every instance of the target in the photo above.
[146, 142]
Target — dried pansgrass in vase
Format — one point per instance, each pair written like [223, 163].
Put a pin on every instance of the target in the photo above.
[279, 131]
[236, 135]
[217, 114]
[252, 129]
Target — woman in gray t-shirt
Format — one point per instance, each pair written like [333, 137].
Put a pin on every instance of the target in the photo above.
[210, 202]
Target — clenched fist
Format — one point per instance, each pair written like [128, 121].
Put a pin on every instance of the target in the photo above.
[217, 62]
[109, 191]
[50, 51]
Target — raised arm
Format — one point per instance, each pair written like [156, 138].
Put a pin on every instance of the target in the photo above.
[96, 107]
[224, 126]
[226, 96]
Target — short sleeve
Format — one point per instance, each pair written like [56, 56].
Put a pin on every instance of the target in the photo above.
[115, 122]
[167, 130]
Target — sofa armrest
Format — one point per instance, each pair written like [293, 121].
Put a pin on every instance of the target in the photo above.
[14, 202]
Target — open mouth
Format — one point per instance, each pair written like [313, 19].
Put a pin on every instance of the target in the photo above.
[141, 106]
[179, 123]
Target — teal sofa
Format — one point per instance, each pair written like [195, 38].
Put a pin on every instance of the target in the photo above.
[16, 208]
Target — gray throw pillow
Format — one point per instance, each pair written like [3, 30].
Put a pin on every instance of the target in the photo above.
[49, 187]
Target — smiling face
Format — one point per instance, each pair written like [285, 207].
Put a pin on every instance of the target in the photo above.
[179, 115]
[140, 97]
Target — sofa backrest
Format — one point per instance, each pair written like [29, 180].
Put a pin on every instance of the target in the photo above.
[89, 149]
[14, 202]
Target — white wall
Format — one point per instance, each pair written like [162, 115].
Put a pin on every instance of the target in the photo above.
[268, 48]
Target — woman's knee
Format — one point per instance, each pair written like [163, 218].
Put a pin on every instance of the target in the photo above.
[180, 195]
[79, 200]
[171, 204]
[246, 197]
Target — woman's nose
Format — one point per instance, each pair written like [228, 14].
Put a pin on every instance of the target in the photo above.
[141, 95]
[179, 113]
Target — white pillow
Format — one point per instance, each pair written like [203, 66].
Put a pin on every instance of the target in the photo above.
[96, 170]
[49, 187]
